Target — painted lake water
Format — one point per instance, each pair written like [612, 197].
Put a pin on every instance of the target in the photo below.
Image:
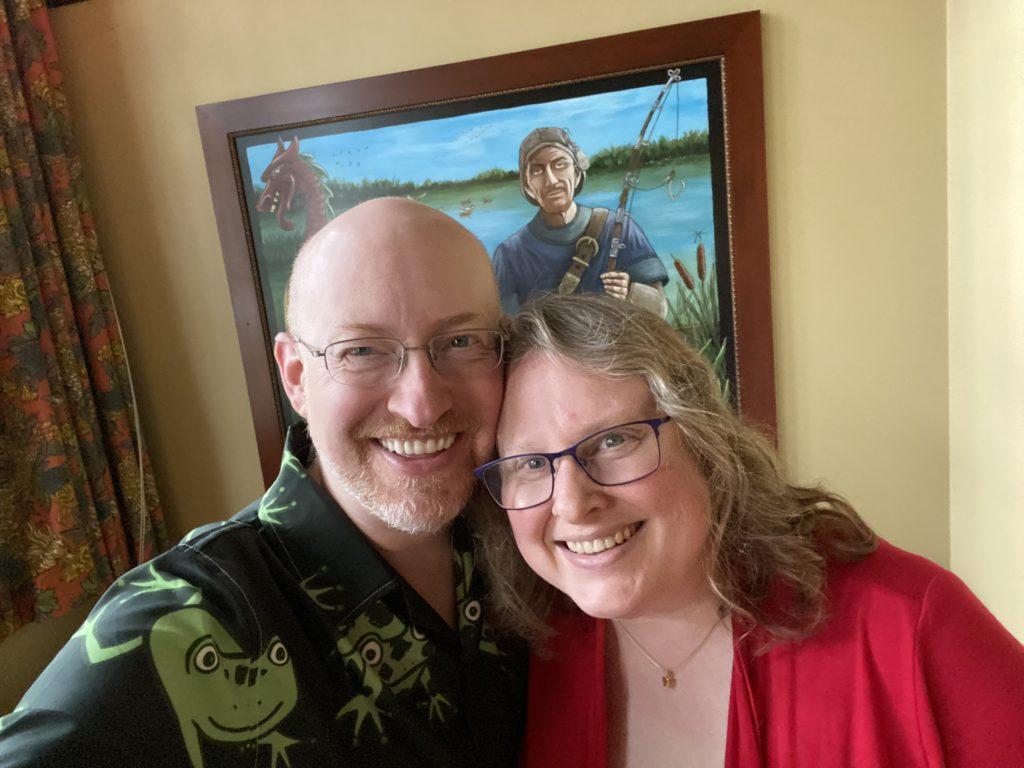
[499, 210]
[669, 225]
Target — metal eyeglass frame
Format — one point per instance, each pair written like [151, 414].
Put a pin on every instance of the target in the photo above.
[654, 424]
[322, 353]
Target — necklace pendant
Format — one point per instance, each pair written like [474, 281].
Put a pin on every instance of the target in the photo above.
[668, 680]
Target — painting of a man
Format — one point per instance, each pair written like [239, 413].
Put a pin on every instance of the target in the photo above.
[566, 246]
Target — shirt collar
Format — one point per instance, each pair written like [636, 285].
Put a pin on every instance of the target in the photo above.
[561, 235]
[336, 565]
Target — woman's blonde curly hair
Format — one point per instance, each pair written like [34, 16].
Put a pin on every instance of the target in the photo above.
[769, 542]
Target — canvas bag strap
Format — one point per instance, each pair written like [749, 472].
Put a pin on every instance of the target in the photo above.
[586, 249]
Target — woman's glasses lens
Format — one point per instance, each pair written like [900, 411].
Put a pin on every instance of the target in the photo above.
[614, 456]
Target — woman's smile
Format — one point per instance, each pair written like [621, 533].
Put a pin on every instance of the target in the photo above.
[616, 548]
[593, 545]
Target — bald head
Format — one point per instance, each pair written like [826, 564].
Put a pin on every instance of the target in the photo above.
[392, 247]
[394, 269]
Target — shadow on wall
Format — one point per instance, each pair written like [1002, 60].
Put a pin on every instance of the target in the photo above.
[138, 222]
[26, 653]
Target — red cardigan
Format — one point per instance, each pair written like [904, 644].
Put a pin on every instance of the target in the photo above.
[909, 670]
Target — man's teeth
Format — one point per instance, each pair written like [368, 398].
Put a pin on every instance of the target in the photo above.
[593, 546]
[417, 447]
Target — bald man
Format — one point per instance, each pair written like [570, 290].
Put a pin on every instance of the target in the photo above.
[338, 620]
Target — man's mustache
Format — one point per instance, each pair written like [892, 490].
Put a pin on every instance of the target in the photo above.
[400, 428]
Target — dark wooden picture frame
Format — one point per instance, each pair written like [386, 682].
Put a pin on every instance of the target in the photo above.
[729, 44]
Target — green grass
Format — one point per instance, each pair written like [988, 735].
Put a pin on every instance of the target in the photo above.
[695, 313]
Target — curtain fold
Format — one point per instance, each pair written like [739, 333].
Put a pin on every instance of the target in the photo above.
[74, 510]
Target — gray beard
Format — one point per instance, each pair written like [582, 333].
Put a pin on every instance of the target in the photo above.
[412, 505]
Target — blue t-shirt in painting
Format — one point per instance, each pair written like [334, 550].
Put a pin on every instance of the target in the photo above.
[534, 259]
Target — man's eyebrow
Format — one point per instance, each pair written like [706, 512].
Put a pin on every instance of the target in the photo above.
[352, 329]
[460, 319]
[344, 328]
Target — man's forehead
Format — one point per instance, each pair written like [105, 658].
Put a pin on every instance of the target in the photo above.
[404, 272]
[356, 327]
[548, 153]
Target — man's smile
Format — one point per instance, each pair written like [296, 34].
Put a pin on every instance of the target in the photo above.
[415, 446]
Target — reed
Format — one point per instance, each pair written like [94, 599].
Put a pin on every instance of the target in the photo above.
[694, 311]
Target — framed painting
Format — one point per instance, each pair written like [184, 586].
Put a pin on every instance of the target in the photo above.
[632, 165]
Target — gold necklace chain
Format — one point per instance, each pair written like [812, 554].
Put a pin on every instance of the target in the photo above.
[668, 676]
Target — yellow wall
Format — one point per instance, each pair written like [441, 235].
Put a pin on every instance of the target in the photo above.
[986, 301]
[856, 110]
[856, 167]
[24, 654]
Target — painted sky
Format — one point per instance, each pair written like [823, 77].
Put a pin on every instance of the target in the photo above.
[460, 147]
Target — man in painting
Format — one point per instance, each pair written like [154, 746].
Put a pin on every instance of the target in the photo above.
[566, 246]
[338, 619]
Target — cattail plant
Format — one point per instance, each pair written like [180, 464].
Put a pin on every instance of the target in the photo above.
[684, 274]
[695, 312]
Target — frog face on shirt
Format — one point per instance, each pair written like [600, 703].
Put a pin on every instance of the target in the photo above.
[387, 657]
[216, 688]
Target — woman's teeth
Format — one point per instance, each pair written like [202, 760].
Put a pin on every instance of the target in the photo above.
[593, 546]
[417, 447]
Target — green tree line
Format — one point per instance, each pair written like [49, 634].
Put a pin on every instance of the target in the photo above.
[689, 144]
[347, 193]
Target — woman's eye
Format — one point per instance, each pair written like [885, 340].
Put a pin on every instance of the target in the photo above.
[613, 440]
[461, 342]
[530, 464]
[618, 442]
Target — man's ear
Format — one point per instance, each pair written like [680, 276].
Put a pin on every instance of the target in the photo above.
[290, 366]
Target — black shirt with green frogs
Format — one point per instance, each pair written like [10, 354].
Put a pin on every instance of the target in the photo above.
[278, 638]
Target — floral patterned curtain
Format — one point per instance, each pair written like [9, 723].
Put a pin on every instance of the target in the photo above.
[73, 512]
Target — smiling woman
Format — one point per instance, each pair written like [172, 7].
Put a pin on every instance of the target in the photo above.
[661, 509]
[688, 604]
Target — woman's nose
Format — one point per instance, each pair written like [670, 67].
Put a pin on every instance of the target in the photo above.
[574, 495]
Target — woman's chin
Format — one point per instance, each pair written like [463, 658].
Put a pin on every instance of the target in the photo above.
[605, 606]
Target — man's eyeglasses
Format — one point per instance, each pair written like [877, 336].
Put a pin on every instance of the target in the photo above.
[372, 361]
[614, 456]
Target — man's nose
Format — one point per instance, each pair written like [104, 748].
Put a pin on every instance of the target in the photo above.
[549, 175]
[419, 394]
[574, 495]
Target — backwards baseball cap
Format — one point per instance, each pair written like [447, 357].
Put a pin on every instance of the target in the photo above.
[538, 139]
